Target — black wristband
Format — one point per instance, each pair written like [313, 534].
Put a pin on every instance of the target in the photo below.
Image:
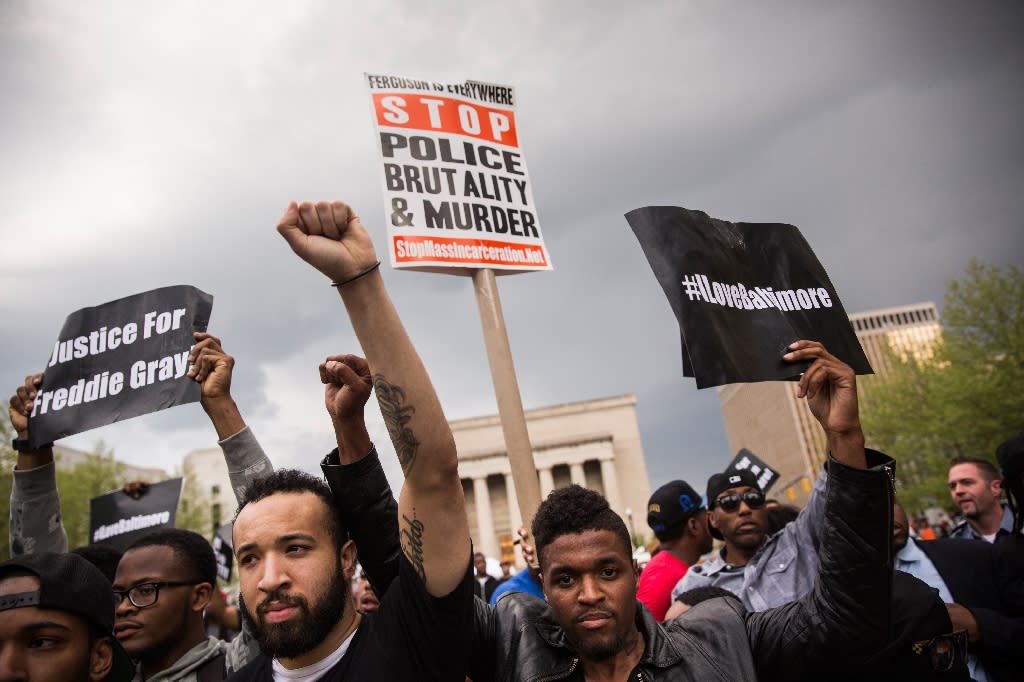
[365, 272]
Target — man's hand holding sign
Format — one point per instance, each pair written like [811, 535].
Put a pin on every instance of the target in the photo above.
[830, 386]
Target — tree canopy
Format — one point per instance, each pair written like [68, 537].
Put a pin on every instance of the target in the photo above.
[964, 399]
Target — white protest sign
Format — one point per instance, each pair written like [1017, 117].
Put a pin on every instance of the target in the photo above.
[456, 189]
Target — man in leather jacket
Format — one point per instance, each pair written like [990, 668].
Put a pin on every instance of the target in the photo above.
[590, 628]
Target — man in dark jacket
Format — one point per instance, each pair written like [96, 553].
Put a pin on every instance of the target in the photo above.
[591, 627]
[981, 593]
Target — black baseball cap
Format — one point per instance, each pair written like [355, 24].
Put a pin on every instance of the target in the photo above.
[67, 582]
[671, 506]
[730, 479]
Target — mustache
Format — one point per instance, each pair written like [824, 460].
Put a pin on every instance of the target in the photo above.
[280, 598]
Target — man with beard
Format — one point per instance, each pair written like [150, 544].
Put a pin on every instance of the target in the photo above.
[590, 626]
[976, 486]
[295, 561]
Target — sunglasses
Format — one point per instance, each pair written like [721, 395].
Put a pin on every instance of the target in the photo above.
[731, 503]
[944, 651]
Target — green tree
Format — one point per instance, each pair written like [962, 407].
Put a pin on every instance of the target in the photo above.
[965, 398]
[97, 474]
[194, 510]
[8, 458]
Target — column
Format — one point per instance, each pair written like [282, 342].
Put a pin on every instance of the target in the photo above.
[610, 481]
[576, 474]
[547, 482]
[484, 518]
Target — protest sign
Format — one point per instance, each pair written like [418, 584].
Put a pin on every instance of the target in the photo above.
[745, 459]
[118, 520]
[742, 292]
[456, 190]
[222, 550]
[120, 360]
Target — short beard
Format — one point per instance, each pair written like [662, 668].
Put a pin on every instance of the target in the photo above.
[303, 634]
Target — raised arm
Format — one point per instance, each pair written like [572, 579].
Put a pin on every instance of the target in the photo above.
[35, 523]
[432, 519]
[211, 368]
[365, 502]
[830, 387]
[846, 615]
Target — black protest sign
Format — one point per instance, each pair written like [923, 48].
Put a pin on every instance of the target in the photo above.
[222, 550]
[120, 360]
[742, 292]
[117, 519]
[747, 460]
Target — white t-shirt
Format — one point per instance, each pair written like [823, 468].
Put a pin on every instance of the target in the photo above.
[313, 671]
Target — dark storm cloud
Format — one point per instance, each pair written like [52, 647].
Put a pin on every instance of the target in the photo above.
[149, 145]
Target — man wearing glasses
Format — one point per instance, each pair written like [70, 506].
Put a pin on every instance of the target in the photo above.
[163, 583]
[769, 571]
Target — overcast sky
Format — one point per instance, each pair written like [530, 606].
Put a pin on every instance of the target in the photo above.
[146, 144]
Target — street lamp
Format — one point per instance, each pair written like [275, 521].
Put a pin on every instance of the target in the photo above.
[632, 531]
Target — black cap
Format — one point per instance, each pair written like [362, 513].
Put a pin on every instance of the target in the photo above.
[671, 506]
[730, 479]
[1010, 454]
[67, 582]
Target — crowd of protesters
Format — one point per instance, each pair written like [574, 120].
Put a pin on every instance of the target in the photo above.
[338, 580]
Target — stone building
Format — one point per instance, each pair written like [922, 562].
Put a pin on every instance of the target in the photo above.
[595, 443]
[769, 420]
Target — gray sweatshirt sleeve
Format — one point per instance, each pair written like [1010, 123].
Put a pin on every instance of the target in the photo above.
[245, 459]
[36, 524]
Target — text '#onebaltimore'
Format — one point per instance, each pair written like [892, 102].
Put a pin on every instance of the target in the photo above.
[697, 287]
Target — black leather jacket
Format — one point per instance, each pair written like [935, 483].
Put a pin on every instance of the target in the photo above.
[838, 623]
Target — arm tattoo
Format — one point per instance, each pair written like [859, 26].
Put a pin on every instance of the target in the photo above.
[396, 418]
[412, 543]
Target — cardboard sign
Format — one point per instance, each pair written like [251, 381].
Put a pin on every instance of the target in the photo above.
[222, 550]
[745, 459]
[120, 360]
[456, 190]
[742, 292]
[118, 520]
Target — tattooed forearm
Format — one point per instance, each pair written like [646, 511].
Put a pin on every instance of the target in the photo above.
[412, 543]
[396, 417]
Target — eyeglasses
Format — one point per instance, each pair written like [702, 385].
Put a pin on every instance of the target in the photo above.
[943, 651]
[731, 503]
[146, 594]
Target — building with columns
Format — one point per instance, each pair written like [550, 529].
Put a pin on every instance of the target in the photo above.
[769, 420]
[594, 443]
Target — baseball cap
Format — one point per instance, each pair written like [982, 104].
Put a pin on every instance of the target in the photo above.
[67, 582]
[730, 479]
[718, 483]
[671, 506]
